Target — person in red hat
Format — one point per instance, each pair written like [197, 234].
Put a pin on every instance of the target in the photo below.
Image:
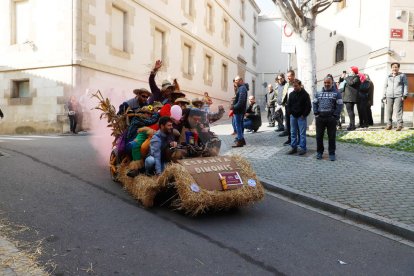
[350, 95]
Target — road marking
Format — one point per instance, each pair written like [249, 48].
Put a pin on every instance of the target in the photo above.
[26, 137]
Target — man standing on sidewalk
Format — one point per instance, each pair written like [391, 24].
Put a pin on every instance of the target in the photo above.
[395, 92]
[287, 89]
[239, 109]
[299, 106]
[270, 99]
[327, 107]
[280, 81]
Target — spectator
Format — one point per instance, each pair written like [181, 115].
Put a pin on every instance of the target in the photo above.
[74, 108]
[270, 99]
[370, 101]
[280, 81]
[239, 109]
[350, 95]
[1, 114]
[299, 106]
[327, 107]
[207, 102]
[253, 119]
[287, 89]
[395, 92]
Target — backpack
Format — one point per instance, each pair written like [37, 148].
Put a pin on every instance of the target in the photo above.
[364, 87]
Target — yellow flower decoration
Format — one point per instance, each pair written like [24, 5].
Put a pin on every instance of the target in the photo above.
[150, 107]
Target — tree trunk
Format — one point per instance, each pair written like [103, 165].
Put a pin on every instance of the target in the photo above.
[306, 59]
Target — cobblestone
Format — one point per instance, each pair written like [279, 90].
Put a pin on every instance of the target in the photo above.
[372, 179]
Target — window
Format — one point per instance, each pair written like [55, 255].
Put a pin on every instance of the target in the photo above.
[208, 69]
[226, 31]
[254, 87]
[411, 25]
[254, 52]
[339, 52]
[255, 24]
[187, 60]
[20, 22]
[224, 76]
[209, 17]
[242, 9]
[20, 89]
[118, 29]
[241, 40]
[159, 44]
[188, 7]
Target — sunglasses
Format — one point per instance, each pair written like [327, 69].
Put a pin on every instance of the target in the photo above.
[144, 96]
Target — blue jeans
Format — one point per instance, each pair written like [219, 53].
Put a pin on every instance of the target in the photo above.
[248, 124]
[298, 126]
[238, 122]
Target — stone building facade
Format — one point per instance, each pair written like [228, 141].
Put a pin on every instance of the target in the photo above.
[50, 50]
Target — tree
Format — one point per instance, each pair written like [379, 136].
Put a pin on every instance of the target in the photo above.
[301, 16]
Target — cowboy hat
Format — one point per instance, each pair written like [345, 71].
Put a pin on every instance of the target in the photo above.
[141, 91]
[197, 100]
[166, 84]
[182, 100]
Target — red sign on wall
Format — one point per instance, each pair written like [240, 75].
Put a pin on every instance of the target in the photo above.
[396, 33]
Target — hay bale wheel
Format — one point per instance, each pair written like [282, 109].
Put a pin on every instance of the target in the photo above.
[145, 188]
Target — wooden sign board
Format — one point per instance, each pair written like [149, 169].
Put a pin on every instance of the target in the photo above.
[206, 171]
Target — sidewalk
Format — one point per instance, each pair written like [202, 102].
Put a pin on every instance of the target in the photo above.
[369, 184]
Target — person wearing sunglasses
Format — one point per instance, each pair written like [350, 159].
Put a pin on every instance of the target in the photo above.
[140, 100]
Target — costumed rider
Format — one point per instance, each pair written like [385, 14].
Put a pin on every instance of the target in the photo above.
[208, 117]
[162, 95]
[160, 142]
[140, 100]
[140, 145]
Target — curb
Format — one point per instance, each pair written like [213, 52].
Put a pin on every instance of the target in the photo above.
[403, 230]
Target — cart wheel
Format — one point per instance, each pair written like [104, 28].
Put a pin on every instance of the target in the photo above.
[113, 162]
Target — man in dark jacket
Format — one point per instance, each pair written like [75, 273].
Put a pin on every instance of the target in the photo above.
[239, 109]
[164, 94]
[253, 119]
[327, 107]
[299, 106]
[350, 95]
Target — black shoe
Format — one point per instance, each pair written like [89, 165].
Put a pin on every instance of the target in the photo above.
[293, 150]
[286, 143]
[350, 128]
[284, 133]
[279, 129]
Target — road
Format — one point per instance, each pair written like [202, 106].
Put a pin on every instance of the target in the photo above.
[59, 187]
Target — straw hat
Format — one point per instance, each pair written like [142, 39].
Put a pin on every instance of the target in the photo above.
[182, 100]
[197, 100]
[141, 91]
[166, 84]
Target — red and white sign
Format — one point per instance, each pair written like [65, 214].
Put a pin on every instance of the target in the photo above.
[397, 33]
[288, 40]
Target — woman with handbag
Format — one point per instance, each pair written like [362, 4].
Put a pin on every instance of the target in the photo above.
[73, 107]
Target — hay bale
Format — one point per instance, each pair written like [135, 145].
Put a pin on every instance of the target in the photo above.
[145, 188]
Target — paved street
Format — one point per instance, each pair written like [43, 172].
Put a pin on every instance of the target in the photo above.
[371, 179]
[89, 225]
